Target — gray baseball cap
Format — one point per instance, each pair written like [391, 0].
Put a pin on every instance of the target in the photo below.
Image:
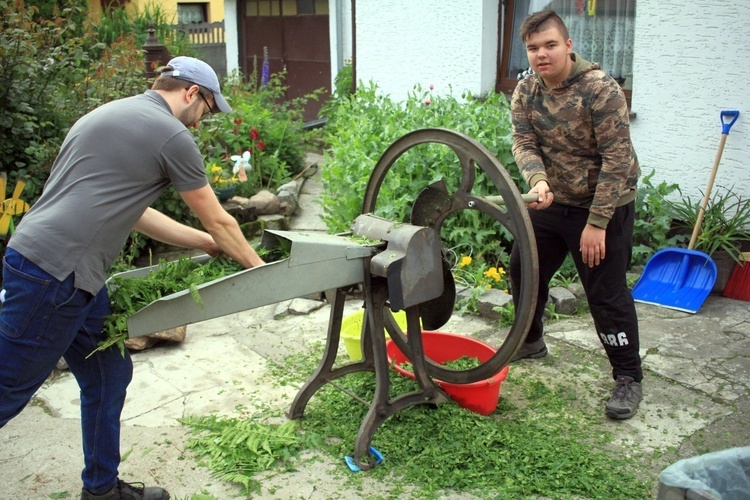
[198, 72]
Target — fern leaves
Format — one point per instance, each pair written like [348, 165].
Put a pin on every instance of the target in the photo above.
[236, 449]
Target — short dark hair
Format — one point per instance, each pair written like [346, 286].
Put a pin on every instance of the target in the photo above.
[167, 82]
[541, 21]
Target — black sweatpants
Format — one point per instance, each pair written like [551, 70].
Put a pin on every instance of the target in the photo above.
[558, 231]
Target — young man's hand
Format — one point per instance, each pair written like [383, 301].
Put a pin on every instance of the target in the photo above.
[593, 248]
[545, 198]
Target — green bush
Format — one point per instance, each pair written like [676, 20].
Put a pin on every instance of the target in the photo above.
[50, 9]
[53, 71]
[360, 129]
[39, 59]
[260, 122]
[653, 219]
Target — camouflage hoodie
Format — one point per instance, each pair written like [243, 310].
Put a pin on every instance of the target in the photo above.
[576, 136]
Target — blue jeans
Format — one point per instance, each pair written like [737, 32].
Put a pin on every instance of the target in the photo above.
[44, 319]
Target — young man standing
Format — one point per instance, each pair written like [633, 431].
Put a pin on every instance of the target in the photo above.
[113, 164]
[571, 140]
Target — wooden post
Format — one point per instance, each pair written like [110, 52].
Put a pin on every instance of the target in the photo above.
[156, 54]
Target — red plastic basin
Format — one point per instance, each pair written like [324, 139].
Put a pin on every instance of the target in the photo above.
[480, 397]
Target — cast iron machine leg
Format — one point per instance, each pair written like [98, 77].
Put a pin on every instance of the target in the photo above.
[325, 373]
[382, 406]
[375, 359]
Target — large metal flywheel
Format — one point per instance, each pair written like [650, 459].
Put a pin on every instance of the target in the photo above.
[431, 208]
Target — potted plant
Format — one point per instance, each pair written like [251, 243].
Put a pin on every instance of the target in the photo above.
[724, 232]
[222, 181]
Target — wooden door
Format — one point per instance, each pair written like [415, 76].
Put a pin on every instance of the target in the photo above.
[295, 36]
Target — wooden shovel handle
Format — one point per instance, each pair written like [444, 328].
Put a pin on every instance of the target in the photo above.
[727, 118]
[704, 203]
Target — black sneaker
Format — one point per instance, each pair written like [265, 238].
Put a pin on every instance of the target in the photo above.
[536, 349]
[129, 491]
[625, 398]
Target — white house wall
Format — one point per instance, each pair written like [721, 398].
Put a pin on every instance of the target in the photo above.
[690, 62]
[451, 44]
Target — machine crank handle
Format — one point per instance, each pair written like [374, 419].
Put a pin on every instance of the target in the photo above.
[498, 200]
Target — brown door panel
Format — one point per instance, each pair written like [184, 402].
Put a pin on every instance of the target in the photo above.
[300, 46]
[304, 77]
[306, 38]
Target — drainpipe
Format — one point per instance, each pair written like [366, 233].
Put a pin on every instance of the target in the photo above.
[337, 48]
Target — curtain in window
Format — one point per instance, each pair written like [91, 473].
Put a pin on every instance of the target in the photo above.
[602, 31]
[602, 34]
[190, 13]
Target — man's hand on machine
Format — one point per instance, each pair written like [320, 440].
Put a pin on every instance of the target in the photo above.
[544, 198]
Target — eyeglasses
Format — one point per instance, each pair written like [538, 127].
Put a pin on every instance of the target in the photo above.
[210, 110]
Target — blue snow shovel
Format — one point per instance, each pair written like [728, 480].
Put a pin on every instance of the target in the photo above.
[680, 278]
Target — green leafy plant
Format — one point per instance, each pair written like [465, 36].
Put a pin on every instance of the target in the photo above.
[552, 314]
[362, 126]
[342, 85]
[567, 273]
[725, 222]
[653, 219]
[235, 450]
[507, 314]
[128, 295]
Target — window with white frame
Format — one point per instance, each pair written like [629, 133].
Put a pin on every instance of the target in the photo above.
[602, 31]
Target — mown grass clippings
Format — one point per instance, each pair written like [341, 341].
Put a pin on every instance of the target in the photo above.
[537, 442]
[542, 449]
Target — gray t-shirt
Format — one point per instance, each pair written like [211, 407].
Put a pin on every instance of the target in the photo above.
[113, 164]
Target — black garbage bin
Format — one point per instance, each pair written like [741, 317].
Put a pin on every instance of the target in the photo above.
[722, 475]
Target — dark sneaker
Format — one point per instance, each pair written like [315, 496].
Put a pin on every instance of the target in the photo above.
[129, 491]
[536, 349]
[625, 398]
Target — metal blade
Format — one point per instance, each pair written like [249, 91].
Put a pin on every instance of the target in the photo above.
[431, 203]
[436, 312]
